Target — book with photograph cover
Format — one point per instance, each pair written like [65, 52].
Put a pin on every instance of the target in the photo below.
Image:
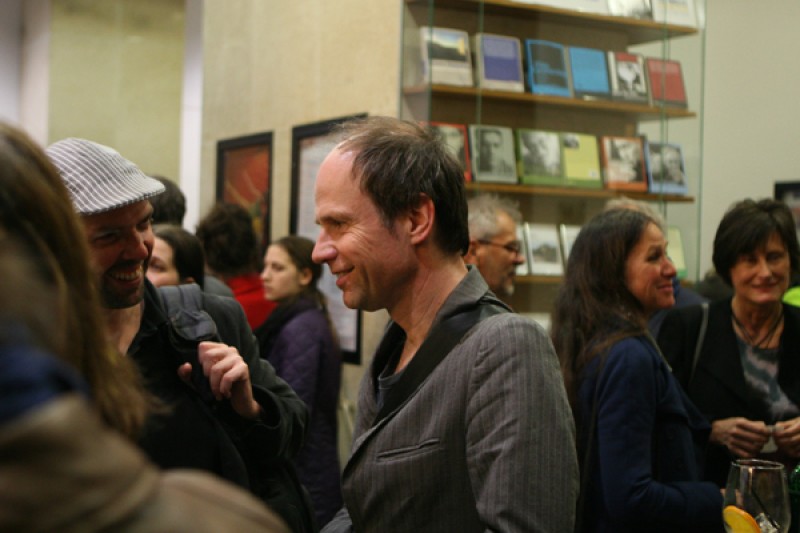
[675, 250]
[523, 269]
[666, 170]
[628, 78]
[623, 163]
[589, 72]
[539, 157]
[581, 160]
[677, 12]
[498, 62]
[544, 250]
[638, 9]
[665, 78]
[492, 151]
[446, 57]
[454, 136]
[546, 67]
[568, 233]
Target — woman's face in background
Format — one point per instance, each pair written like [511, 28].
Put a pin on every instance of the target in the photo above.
[280, 276]
[161, 271]
[761, 277]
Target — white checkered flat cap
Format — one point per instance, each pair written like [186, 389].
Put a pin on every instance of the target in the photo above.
[98, 178]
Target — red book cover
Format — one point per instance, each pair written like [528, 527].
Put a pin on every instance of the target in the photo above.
[666, 82]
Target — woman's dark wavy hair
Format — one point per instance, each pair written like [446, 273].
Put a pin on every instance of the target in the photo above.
[746, 227]
[398, 161]
[594, 307]
[187, 252]
[36, 211]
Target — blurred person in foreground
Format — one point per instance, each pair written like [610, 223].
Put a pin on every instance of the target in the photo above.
[228, 413]
[463, 423]
[639, 438]
[298, 340]
[745, 378]
[66, 460]
[494, 247]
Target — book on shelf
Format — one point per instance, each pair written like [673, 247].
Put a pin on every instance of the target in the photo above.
[544, 251]
[627, 75]
[546, 67]
[677, 12]
[623, 163]
[498, 62]
[665, 78]
[666, 170]
[588, 71]
[586, 6]
[492, 151]
[454, 137]
[581, 160]
[539, 157]
[446, 57]
[638, 9]
[523, 269]
[567, 234]
[675, 250]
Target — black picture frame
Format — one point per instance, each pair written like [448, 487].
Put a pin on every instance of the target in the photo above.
[244, 177]
[310, 144]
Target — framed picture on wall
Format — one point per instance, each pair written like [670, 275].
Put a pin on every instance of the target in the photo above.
[244, 177]
[788, 192]
[310, 144]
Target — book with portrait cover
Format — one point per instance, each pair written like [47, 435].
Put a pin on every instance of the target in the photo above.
[523, 269]
[638, 9]
[546, 67]
[492, 151]
[498, 62]
[623, 163]
[454, 137]
[581, 160]
[628, 79]
[544, 250]
[539, 157]
[589, 72]
[677, 12]
[665, 78]
[568, 233]
[446, 57]
[666, 170]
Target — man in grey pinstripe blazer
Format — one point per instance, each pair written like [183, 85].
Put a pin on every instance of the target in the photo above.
[474, 436]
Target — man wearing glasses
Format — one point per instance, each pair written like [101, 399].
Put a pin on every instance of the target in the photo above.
[493, 244]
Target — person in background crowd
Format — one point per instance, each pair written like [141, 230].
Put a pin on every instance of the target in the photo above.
[637, 432]
[169, 208]
[231, 249]
[177, 257]
[298, 340]
[474, 436]
[237, 419]
[746, 377]
[493, 244]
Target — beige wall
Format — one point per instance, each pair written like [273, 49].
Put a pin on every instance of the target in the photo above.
[116, 77]
[273, 65]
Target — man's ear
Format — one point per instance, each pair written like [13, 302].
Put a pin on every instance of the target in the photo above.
[422, 217]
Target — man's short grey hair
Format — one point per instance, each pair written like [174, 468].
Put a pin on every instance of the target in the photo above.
[623, 202]
[483, 210]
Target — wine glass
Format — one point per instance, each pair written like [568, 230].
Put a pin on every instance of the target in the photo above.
[756, 498]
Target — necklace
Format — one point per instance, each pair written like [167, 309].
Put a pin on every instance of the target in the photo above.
[766, 338]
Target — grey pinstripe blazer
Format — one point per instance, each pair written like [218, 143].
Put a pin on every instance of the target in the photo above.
[485, 443]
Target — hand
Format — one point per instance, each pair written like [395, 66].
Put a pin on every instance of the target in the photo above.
[228, 375]
[743, 438]
[787, 437]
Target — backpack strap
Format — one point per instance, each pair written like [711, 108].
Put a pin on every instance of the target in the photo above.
[700, 339]
[184, 308]
[439, 343]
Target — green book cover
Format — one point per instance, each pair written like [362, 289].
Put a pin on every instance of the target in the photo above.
[581, 160]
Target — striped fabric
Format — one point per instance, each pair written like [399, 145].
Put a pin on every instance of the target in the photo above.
[98, 178]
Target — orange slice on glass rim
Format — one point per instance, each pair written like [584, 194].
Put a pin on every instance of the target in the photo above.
[739, 521]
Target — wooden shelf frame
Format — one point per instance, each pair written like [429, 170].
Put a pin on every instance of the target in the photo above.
[574, 192]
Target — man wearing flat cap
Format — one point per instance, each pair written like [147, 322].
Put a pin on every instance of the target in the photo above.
[251, 425]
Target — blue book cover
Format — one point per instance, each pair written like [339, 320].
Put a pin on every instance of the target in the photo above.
[547, 69]
[499, 62]
[589, 72]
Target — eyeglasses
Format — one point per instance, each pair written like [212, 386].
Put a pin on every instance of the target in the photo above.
[513, 247]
